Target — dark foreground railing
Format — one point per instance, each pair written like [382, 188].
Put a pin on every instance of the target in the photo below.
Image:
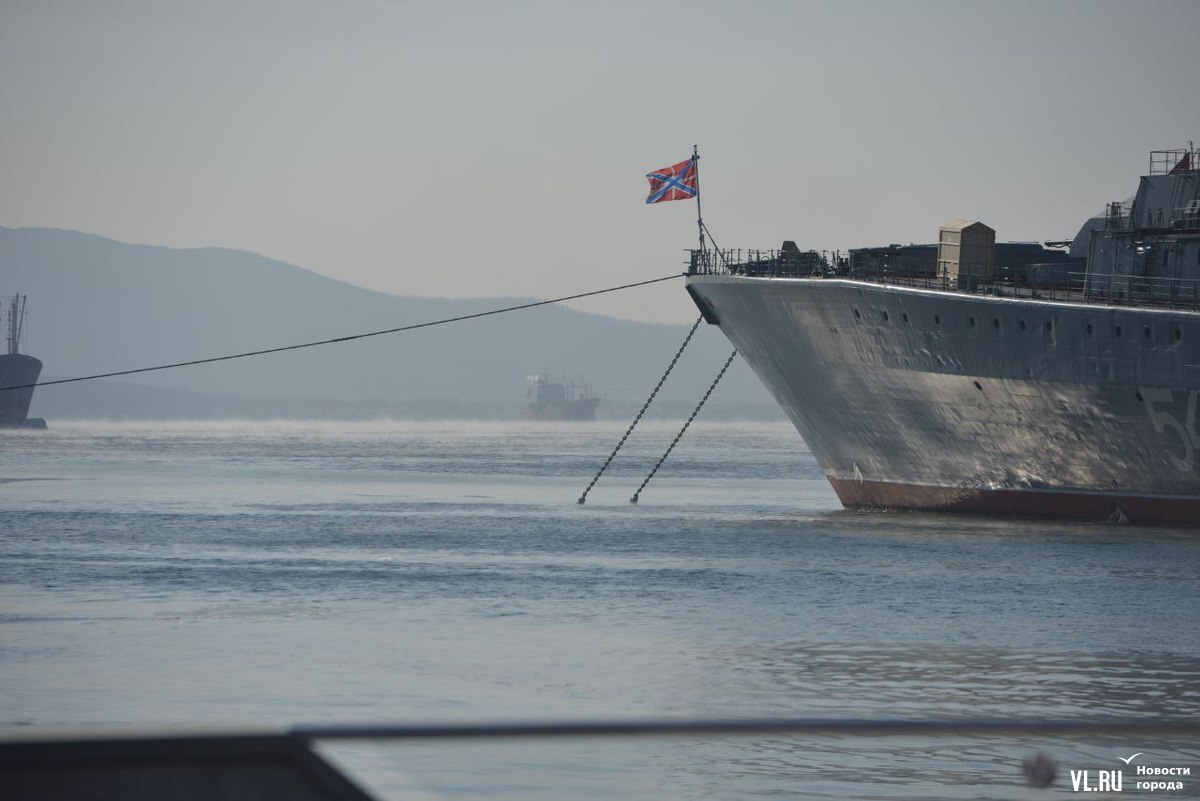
[821, 727]
[284, 764]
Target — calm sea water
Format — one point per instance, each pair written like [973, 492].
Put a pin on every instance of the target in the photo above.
[263, 574]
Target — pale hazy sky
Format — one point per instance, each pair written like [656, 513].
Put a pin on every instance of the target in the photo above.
[480, 149]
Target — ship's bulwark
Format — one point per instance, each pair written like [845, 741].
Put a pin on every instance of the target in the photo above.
[17, 370]
[939, 400]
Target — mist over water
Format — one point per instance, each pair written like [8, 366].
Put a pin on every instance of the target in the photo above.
[282, 573]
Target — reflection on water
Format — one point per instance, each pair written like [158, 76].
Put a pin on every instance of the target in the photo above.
[291, 573]
[952, 683]
[856, 682]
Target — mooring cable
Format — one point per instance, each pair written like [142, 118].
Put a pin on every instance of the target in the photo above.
[679, 436]
[349, 338]
[716, 247]
[645, 406]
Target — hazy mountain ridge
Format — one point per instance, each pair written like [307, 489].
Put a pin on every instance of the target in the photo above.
[97, 305]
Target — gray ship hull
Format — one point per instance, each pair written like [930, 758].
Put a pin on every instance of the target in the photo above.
[925, 399]
[18, 370]
[578, 409]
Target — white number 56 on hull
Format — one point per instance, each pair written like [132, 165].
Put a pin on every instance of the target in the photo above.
[1163, 421]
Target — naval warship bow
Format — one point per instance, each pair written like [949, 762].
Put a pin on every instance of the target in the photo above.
[994, 378]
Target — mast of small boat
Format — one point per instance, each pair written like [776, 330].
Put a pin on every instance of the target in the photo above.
[16, 317]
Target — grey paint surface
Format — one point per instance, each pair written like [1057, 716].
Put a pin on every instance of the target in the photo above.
[894, 384]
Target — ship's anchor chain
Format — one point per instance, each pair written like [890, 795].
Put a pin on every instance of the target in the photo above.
[679, 436]
[645, 406]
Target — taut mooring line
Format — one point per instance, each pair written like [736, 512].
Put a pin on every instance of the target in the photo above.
[350, 338]
[645, 406]
[679, 436]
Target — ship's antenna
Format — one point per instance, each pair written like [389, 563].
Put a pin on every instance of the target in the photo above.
[703, 229]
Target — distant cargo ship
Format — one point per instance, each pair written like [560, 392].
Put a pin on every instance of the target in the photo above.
[553, 400]
[17, 370]
[930, 378]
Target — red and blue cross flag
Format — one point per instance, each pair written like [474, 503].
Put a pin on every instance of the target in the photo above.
[677, 182]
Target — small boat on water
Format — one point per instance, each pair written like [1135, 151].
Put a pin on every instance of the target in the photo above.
[547, 399]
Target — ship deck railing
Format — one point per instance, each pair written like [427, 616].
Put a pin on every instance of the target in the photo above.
[1072, 287]
[1177, 221]
[1165, 162]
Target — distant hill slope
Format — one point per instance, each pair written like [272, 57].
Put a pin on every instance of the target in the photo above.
[96, 305]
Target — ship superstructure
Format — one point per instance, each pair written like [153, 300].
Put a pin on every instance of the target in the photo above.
[17, 370]
[965, 386]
